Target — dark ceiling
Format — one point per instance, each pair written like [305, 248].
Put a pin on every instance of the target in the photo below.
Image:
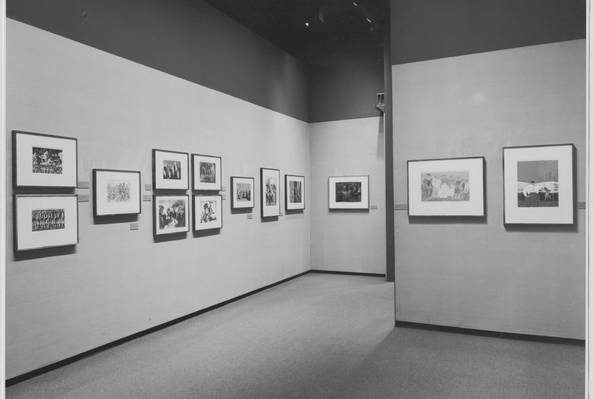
[329, 22]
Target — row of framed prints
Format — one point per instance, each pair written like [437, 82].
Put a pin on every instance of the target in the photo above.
[538, 185]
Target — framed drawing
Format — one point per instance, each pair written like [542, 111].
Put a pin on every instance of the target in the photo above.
[294, 192]
[116, 192]
[538, 184]
[170, 170]
[207, 212]
[242, 192]
[207, 172]
[446, 187]
[269, 192]
[348, 192]
[43, 160]
[44, 221]
[170, 214]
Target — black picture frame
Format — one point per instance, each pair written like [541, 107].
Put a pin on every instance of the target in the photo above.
[194, 212]
[154, 167]
[155, 221]
[15, 158]
[220, 178]
[95, 192]
[287, 196]
[232, 192]
[348, 208]
[269, 217]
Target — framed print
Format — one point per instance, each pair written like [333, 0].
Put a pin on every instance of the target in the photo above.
[207, 212]
[294, 192]
[446, 187]
[170, 214]
[269, 192]
[170, 170]
[44, 221]
[43, 160]
[116, 192]
[538, 184]
[207, 172]
[348, 192]
[242, 192]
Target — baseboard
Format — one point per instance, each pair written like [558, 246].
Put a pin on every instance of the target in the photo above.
[42, 370]
[348, 273]
[490, 333]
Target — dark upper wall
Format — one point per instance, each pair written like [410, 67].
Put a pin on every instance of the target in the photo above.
[186, 38]
[429, 29]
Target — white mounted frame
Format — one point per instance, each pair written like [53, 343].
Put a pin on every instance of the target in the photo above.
[348, 192]
[294, 192]
[207, 172]
[116, 192]
[207, 210]
[270, 192]
[242, 192]
[170, 214]
[170, 170]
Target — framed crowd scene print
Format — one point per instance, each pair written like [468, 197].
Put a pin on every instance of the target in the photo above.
[294, 192]
[170, 214]
[539, 184]
[43, 160]
[270, 191]
[116, 192]
[446, 187]
[348, 192]
[242, 192]
[170, 170]
[206, 172]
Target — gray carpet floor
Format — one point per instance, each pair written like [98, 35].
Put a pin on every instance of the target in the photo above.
[318, 336]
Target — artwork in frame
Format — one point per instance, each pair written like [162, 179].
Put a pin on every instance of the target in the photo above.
[43, 160]
[116, 192]
[170, 170]
[45, 221]
[242, 192]
[538, 184]
[270, 192]
[170, 214]
[348, 192]
[446, 187]
[207, 212]
[207, 172]
[294, 192]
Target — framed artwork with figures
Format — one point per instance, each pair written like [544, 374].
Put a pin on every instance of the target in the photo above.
[116, 192]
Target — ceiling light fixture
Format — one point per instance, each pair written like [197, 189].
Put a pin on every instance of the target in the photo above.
[307, 24]
[368, 20]
[355, 4]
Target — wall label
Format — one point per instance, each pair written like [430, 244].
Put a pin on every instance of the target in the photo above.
[83, 184]
[373, 207]
[147, 198]
[401, 207]
[581, 205]
[134, 226]
[83, 198]
[250, 215]
[148, 187]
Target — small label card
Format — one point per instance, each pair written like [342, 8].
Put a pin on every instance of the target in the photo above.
[148, 187]
[83, 184]
[223, 196]
[83, 198]
[250, 215]
[223, 189]
[147, 198]
[401, 207]
[134, 226]
[373, 207]
[581, 205]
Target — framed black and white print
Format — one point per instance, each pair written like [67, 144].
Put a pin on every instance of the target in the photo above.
[170, 213]
[116, 192]
[446, 187]
[207, 212]
[207, 172]
[538, 184]
[270, 192]
[170, 170]
[44, 221]
[294, 192]
[242, 192]
[348, 192]
[43, 160]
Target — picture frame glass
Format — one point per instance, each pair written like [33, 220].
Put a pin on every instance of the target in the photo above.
[43, 221]
[294, 192]
[270, 192]
[171, 214]
[170, 170]
[348, 192]
[44, 161]
[207, 172]
[446, 187]
[539, 184]
[207, 212]
[116, 192]
[242, 192]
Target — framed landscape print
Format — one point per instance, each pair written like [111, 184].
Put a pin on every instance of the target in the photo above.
[270, 192]
[207, 172]
[348, 192]
[446, 187]
[170, 214]
[207, 212]
[43, 160]
[170, 170]
[294, 192]
[116, 192]
[538, 184]
[242, 192]
[44, 221]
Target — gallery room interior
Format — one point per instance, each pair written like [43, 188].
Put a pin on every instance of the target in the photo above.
[295, 199]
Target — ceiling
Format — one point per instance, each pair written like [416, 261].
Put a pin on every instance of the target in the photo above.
[301, 27]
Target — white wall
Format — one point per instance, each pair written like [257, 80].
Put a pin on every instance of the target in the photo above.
[477, 274]
[346, 240]
[118, 281]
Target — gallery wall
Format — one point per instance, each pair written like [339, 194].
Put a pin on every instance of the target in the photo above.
[119, 281]
[476, 273]
[343, 240]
